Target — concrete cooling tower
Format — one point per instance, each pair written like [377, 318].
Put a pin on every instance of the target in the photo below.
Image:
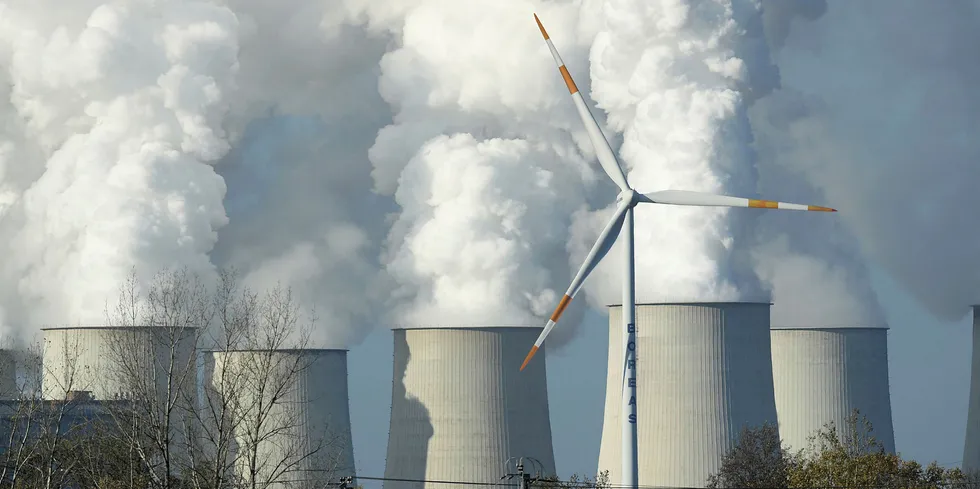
[822, 374]
[971, 449]
[291, 414]
[116, 362]
[460, 406]
[703, 373]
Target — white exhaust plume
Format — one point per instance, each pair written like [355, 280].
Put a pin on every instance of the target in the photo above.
[106, 154]
[814, 268]
[676, 79]
[901, 124]
[124, 103]
[485, 158]
[301, 212]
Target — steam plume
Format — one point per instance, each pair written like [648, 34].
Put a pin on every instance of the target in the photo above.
[124, 104]
[486, 159]
[676, 79]
[891, 143]
[301, 210]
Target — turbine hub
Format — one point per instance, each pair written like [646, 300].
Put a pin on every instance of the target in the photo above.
[628, 195]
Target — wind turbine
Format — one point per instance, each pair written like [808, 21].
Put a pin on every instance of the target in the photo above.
[622, 222]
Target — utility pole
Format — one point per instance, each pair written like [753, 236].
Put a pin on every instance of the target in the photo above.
[523, 478]
[345, 482]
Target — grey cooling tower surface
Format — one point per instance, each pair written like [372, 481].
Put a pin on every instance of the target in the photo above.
[106, 361]
[822, 374]
[971, 449]
[461, 407]
[703, 373]
[294, 417]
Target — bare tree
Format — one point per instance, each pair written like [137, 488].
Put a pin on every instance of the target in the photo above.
[257, 375]
[151, 363]
[48, 410]
[601, 481]
[234, 435]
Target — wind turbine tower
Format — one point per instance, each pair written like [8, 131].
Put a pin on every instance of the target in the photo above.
[621, 225]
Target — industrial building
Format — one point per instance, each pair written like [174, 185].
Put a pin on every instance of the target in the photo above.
[821, 375]
[971, 448]
[704, 372]
[460, 408]
[292, 411]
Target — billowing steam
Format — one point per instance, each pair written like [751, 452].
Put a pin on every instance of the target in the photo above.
[676, 79]
[891, 143]
[485, 160]
[299, 202]
[122, 105]
[129, 120]
[422, 160]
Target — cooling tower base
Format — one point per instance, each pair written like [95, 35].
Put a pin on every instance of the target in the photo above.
[703, 372]
[461, 408]
[823, 374]
[971, 449]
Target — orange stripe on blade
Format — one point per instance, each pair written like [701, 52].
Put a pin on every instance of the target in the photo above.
[820, 209]
[561, 308]
[763, 204]
[534, 350]
[543, 32]
[568, 80]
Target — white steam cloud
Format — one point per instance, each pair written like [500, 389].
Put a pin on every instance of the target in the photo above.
[485, 159]
[892, 143]
[123, 105]
[419, 162]
[124, 123]
[299, 202]
[676, 79]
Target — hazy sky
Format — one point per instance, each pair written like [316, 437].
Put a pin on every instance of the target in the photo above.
[929, 370]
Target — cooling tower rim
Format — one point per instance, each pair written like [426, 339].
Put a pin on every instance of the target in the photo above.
[279, 350]
[697, 303]
[115, 328]
[465, 328]
[829, 328]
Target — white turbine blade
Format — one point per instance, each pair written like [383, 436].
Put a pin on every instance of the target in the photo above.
[603, 152]
[687, 197]
[602, 245]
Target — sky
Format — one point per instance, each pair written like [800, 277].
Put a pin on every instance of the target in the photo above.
[416, 164]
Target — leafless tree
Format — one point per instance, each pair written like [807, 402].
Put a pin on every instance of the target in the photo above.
[41, 420]
[257, 369]
[232, 436]
[151, 363]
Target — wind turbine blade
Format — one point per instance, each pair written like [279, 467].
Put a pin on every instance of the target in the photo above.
[602, 245]
[687, 197]
[603, 152]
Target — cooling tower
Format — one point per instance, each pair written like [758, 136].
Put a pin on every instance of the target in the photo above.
[291, 414]
[703, 373]
[971, 449]
[822, 374]
[460, 406]
[117, 362]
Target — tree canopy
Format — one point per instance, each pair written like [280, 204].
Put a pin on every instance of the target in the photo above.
[848, 458]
